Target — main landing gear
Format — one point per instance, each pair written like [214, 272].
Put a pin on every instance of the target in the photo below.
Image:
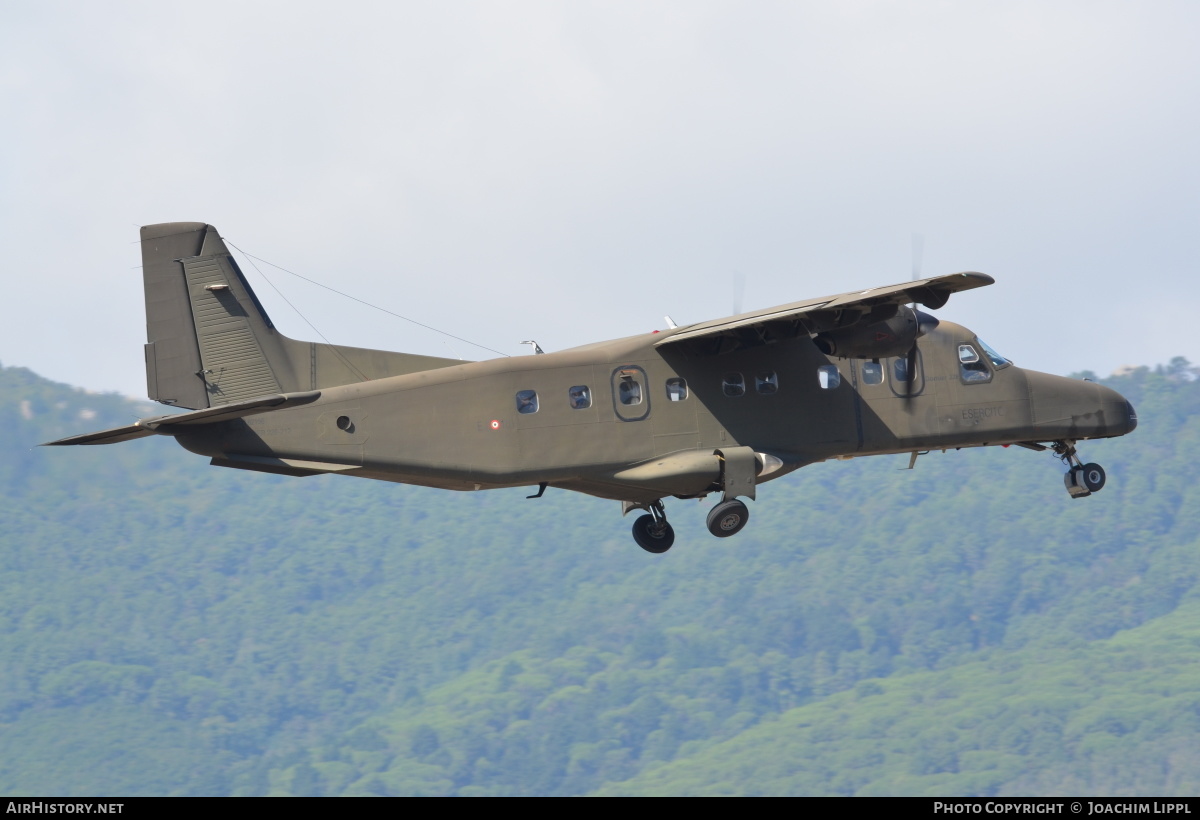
[740, 467]
[1081, 479]
[728, 518]
[652, 532]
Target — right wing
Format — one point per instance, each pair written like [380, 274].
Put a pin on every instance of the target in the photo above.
[828, 313]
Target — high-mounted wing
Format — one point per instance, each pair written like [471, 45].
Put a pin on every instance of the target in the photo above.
[824, 315]
[173, 424]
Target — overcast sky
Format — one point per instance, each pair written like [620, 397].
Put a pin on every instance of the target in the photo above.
[572, 171]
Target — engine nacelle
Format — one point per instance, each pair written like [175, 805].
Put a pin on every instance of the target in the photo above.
[877, 340]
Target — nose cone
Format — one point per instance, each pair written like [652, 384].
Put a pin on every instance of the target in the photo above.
[1069, 408]
[1117, 415]
[1131, 415]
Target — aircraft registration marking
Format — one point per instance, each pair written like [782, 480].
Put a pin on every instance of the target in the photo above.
[980, 413]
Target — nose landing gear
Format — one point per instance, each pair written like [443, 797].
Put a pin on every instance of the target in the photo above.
[1081, 479]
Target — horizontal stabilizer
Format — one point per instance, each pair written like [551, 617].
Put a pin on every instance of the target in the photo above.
[170, 425]
[113, 436]
[228, 412]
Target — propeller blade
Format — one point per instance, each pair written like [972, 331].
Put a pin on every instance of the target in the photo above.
[911, 367]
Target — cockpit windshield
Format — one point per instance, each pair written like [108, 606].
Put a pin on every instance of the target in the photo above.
[996, 359]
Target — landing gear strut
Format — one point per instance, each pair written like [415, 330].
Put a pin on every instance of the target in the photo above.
[1081, 479]
[652, 532]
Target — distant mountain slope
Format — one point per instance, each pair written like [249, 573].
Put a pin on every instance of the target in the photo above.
[239, 633]
[1110, 717]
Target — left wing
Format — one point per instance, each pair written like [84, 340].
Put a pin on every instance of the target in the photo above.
[829, 313]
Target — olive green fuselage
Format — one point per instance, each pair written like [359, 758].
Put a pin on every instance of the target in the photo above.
[525, 420]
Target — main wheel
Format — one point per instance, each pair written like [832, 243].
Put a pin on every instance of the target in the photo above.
[727, 518]
[1093, 477]
[653, 537]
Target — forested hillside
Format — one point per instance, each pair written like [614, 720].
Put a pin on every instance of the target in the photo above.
[966, 627]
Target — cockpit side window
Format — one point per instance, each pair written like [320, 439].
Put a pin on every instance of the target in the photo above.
[734, 385]
[971, 367]
[995, 358]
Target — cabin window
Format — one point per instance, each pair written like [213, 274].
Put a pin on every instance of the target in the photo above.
[629, 392]
[828, 376]
[971, 367]
[527, 401]
[872, 373]
[580, 397]
[900, 370]
[766, 382]
[733, 385]
[997, 360]
[677, 389]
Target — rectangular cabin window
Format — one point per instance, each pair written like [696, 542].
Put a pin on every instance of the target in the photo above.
[527, 401]
[766, 382]
[677, 389]
[900, 370]
[872, 373]
[733, 385]
[580, 397]
[828, 376]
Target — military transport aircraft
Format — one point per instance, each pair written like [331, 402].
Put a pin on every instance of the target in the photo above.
[715, 407]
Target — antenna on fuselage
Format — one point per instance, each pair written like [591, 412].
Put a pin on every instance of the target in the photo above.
[537, 349]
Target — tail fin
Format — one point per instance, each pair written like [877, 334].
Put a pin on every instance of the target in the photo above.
[211, 343]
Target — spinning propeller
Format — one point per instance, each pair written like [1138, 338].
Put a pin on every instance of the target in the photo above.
[925, 322]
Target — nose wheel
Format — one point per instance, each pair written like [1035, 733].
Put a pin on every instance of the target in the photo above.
[1093, 477]
[1081, 479]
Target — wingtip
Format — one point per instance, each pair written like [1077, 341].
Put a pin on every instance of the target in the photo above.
[983, 278]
